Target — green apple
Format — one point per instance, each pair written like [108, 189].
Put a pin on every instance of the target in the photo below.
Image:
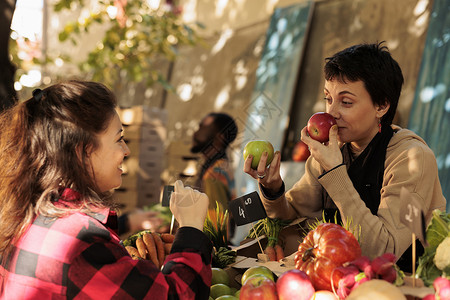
[257, 148]
[219, 276]
[219, 289]
[227, 297]
[257, 270]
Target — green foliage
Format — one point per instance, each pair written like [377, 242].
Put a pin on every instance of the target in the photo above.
[347, 225]
[132, 43]
[270, 228]
[216, 230]
[437, 232]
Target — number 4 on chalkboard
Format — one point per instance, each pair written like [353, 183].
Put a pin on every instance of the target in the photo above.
[247, 209]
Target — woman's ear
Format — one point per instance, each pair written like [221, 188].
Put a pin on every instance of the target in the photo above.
[83, 152]
[382, 109]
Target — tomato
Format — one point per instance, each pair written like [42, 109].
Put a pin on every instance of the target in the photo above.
[323, 249]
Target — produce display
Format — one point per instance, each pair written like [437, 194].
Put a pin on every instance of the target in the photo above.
[256, 149]
[328, 264]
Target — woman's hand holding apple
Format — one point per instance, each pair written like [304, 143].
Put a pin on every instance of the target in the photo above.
[328, 154]
[269, 177]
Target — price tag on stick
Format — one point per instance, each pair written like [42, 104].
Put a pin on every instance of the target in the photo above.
[412, 216]
[247, 209]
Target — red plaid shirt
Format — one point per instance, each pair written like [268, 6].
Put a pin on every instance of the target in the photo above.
[79, 256]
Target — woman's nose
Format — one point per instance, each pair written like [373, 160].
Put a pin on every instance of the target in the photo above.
[333, 110]
[126, 149]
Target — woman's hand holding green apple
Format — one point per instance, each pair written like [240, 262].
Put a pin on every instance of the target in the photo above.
[258, 155]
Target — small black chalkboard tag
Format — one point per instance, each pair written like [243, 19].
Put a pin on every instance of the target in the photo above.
[167, 192]
[247, 209]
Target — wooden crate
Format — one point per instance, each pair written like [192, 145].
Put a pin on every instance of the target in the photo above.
[145, 134]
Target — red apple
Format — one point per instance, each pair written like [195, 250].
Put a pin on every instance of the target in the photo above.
[300, 152]
[257, 148]
[294, 285]
[258, 287]
[319, 125]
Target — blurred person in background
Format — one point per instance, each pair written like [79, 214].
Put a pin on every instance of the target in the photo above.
[216, 176]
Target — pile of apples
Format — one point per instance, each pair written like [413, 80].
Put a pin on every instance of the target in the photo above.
[258, 283]
[220, 286]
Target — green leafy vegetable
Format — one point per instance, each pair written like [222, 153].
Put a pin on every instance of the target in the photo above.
[223, 257]
[270, 228]
[215, 227]
[437, 232]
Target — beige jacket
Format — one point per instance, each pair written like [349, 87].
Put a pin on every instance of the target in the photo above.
[410, 163]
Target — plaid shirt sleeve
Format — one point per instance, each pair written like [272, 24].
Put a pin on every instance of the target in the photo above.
[104, 270]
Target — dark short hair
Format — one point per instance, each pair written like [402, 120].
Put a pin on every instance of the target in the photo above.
[373, 65]
[225, 124]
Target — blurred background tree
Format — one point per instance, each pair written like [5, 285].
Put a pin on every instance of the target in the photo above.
[136, 35]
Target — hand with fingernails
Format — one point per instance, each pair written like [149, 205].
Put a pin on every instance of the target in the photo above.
[269, 177]
[189, 206]
[327, 154]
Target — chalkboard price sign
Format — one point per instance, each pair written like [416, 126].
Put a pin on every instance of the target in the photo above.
[247, 209]
[167, 192]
